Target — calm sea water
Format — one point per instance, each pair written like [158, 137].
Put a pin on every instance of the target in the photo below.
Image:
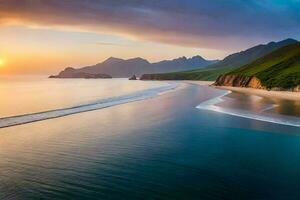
[159, 148]
[23, 95]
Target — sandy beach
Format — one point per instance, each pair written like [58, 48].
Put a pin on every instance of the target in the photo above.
[200, 82]
[295, 96]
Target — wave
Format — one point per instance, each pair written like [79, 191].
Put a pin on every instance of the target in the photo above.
[277, 119]
[99, 104]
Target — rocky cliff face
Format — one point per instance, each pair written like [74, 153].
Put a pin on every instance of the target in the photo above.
[239, 81]
[247, 81]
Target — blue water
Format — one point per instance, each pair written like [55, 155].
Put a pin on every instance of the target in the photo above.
[160, 148]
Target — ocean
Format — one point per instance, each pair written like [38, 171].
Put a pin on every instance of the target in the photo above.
[157, 140]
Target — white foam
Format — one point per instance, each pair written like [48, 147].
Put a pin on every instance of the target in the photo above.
[278, 119]
[103, 103]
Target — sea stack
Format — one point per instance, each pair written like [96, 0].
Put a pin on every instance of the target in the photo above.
[133, 78]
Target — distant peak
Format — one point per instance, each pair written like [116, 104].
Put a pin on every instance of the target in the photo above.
[290, 40]
[271, 43]
[197, 58]
[112, 60]
[69, 69]
[286, 41]
[183, 57]
[138, 59]
[180, 58]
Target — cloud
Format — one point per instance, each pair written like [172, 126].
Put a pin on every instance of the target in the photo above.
[215, 24]
[112, 44]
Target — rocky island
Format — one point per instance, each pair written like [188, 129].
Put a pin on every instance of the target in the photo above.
[133, 78]
[70, 72]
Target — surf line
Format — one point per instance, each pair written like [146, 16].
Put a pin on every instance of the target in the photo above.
[211, 105]
[102, 103]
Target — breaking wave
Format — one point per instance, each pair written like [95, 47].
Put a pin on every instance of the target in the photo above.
[260, 116]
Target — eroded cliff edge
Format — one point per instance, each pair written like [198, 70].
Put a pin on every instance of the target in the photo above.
[233, 80]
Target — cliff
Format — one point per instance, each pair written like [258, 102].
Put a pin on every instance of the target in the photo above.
[249, 82]
[239, 81]
[278, 70]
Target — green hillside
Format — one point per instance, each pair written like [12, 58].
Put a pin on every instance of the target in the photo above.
[228, 64]
[281, 68]
[200, 74]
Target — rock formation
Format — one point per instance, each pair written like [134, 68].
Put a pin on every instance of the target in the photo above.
[249, 82]
[238, 81]
[133, 78]
[72, 73]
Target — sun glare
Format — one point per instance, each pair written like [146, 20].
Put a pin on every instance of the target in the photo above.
[2, 62]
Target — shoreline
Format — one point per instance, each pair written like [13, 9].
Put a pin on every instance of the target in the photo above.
[287, 95]
[201, 83]
[294, 96]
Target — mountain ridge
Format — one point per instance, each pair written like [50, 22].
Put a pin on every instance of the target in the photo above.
[229, 63]
[121, 68]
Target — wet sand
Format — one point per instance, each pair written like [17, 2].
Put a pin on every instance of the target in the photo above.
[295, 96]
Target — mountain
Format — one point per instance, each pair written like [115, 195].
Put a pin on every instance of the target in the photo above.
[182, 63]
[278, 70]
[117, 67]
[229, 63]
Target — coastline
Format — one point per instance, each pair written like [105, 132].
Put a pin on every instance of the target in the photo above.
[294, 96]
[199, 82]
[287, 95]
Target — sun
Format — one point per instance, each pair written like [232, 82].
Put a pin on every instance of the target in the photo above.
[2, 62]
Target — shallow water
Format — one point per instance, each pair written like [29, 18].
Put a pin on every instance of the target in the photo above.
[254, 107]
[260, 104]
[160, 148]
[32, 94]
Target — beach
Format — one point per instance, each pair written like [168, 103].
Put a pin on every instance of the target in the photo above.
[201, 83]
[294, 96]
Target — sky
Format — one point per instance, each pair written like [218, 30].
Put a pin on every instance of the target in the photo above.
[45, 36]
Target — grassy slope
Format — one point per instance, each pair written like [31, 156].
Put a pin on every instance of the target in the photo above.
[200, 74]
[281, 68]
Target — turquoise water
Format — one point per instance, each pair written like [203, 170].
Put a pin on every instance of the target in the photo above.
[159, 148]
